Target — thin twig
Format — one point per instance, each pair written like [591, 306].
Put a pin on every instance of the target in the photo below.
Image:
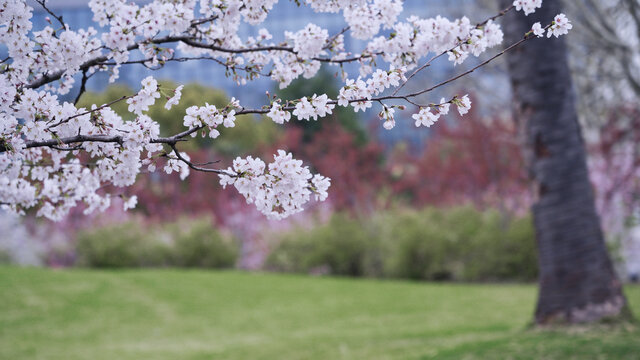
[198, 168]
[91, 111]
[44, 6]
[428, 63]
[185, 59]
[334, 37]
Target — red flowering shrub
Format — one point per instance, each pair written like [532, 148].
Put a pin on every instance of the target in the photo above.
[473, 161]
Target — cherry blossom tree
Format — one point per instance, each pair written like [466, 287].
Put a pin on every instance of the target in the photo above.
[578, 283]
[54, 155]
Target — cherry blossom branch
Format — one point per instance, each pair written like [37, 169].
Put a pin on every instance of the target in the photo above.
[195, 23]
[191, 41]
[435, 57]
[502, 13]
[417, 93]
[124, 97]
[180, 137]
[120, 148]
[99, 138]
[73, 148]
[334, 37]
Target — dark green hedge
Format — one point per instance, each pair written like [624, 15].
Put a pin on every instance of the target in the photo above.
[461, 244]
[182, 244]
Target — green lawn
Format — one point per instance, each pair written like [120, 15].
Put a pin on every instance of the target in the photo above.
[173, 314]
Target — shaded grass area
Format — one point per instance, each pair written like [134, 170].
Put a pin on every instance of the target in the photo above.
[177, 314]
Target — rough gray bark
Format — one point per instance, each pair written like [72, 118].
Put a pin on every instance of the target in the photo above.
[577, 280]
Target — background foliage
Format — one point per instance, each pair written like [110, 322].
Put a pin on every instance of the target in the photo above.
[460, 243]
[185, 243]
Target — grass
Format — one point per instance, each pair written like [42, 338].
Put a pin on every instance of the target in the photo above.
[175, 314]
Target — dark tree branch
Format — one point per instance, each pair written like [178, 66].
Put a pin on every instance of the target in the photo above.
[82, 86]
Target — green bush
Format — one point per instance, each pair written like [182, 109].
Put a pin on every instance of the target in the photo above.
[343, 246]
[122, 245]
[199, 245]
[503, 250]
[421, 246]
[461, 244]
[132, 244]
[5, 257]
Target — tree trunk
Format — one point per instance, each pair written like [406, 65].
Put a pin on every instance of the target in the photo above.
[577, 280]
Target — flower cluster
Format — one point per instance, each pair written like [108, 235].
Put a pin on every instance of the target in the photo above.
[277, 114]
[145, 98]
[175, 99]
[53, 178]
[429, 115]
[318, 106]
[209, 116]
[417, 38]
[387, 115]
[279, 190]
[527, 6]
[174, 164]
[358, 92]
[463, 104]
[308, 42]
[560, 26]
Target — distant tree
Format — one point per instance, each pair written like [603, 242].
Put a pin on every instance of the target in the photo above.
[605, 53]
[472, 161]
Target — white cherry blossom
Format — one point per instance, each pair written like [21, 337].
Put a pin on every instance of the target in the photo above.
[560, 26]
[527, 6]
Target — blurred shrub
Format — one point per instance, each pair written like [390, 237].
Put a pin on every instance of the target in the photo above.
[122, 245]
[185, 243]
[461, 244]
[5, 257]
[343, 246]
[422, 246]
[199, 245]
